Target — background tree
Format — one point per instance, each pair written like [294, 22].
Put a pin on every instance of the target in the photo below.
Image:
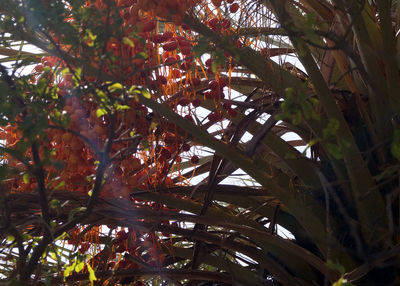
[122, 147]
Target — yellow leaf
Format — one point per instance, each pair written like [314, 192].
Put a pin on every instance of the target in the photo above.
[79, 267]
[68, 270]
[92, 276]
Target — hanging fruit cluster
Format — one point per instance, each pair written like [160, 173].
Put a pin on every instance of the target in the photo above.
[147, 51]
[130, 54]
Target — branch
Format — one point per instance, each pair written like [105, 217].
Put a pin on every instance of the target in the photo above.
[40, 177]
[373, 262]
[170, 273]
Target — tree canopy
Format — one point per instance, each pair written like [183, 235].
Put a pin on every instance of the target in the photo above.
[195, 142]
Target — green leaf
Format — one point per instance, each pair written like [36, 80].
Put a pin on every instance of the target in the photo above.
[145, 144]
[65, 71]
[26, 178]
[75, 211]
[100, 112]
[395, 147]
[115, 87]
[342, 282]
[219, 58]
[334, 150]
[128, 42]
[101, 94]
[61, 184]
[122, 107]
[201, 48]
[54, 204]
[92, 276]
[133, 89]
[335, 266]
[214, 67]
[48, 281]
[78, 73]
[146, 93]
[141, 55]
[332, 128]
[90, 36]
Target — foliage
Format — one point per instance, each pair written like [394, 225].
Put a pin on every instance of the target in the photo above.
[121, 147]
